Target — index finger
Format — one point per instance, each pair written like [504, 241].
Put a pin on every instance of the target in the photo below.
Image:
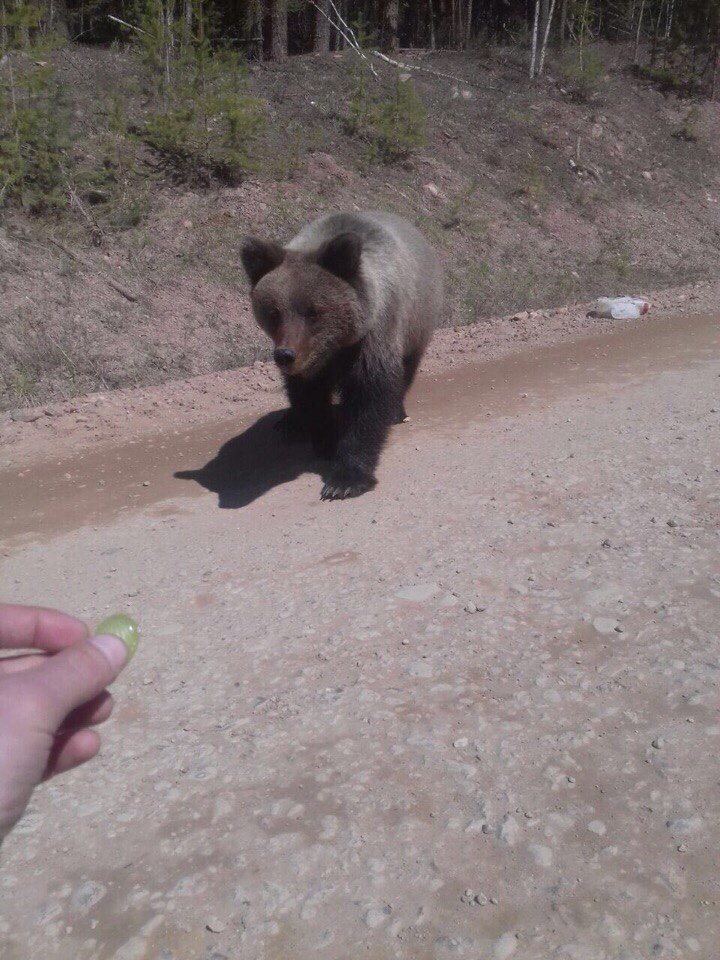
[38, 628]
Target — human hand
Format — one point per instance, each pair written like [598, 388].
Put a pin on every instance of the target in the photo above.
[49, 700]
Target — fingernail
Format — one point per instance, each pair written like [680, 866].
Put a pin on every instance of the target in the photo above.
[113, 648]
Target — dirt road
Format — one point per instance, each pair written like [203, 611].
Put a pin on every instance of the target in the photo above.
[473, 714]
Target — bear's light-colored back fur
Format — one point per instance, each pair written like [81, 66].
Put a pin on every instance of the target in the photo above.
[401, 286]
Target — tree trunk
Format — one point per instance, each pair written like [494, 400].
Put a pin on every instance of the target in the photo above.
[339, 38]
[431, 18]
[668, 29]
[533, 55]
[637, 35]
[278, 31]
[543, 49]
[254, 27]
[468, 23]
[669, 18]
[563, 23]
[4, 32]
[654, 43]
[583, 27]
[389, 25]
[322, 27]
[544, 6]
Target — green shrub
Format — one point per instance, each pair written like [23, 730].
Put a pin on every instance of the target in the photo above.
[208, 129]
[665, 79]
[206, 123]
[33, 117]
[390, 124]
[581, 69]
[688, 129]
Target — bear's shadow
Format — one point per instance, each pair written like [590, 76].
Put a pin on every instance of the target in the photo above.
[252, 463]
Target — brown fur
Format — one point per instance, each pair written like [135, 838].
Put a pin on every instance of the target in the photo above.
[350, 305]
[308, 310]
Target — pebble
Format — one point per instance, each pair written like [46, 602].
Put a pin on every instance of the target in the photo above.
[470, 608]
[453, 944]
[684, 825]
[87, 895]
[510, 831]
[481, 900]
[418, 593]
[375, 916]
[214, 925]
[420, 668]
[543, 856]
[682, 848]
[597, 827]
[605, 625]
[24, 416]
[658, 743]
[505, 946]
[672, 523]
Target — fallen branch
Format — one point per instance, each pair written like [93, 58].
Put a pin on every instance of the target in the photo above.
[348, 35]
[124, 23]
[345, 32]
[95, 228]
[434, 73]
[115, 284]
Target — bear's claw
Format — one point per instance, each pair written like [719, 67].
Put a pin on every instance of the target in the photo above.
[344, 489]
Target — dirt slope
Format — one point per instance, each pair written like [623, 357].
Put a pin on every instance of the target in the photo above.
[533, 198]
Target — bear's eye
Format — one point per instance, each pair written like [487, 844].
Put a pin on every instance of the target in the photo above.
[273, 317]
[311, 313]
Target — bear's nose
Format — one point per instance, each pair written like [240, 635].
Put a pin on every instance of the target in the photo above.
[284, 356]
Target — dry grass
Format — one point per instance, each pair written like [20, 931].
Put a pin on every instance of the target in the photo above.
[518, 225]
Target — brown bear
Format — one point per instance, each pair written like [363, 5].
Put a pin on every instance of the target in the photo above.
[350, 304]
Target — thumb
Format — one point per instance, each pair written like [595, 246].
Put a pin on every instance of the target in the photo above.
[78, 673]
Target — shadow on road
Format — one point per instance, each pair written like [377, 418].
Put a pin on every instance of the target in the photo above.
[252, 463]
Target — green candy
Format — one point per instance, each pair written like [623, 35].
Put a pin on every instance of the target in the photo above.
[122, 627]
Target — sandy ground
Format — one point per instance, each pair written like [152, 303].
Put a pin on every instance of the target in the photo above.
[61, 430]
[472, 714]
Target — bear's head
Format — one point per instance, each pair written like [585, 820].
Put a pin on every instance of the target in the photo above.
[309, 304]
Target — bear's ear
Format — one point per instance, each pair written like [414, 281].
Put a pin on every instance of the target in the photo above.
[260, 257]
[341, 256]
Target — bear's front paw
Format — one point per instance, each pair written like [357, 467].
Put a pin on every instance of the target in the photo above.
[345, 483]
